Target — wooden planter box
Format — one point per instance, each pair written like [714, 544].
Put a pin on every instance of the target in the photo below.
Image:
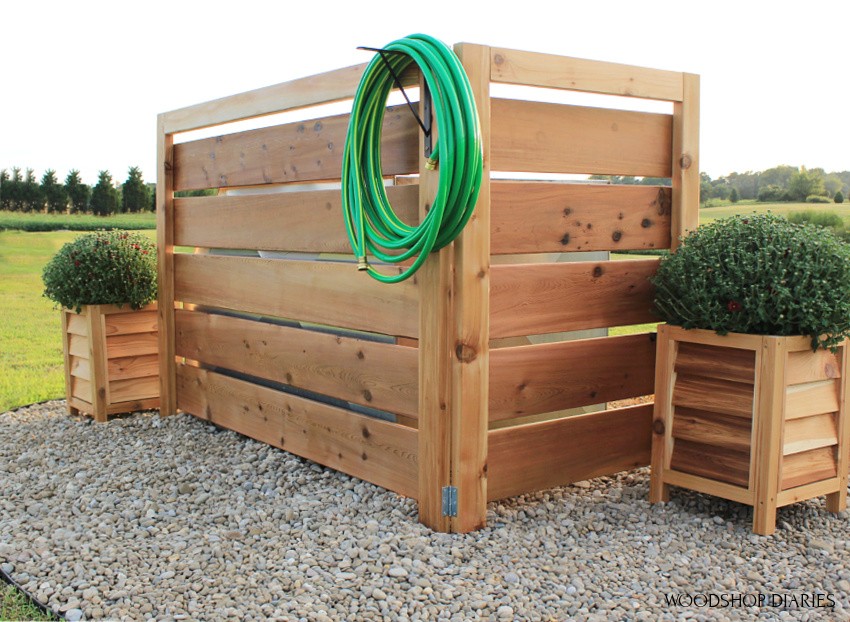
[111, 360]
[755, 419]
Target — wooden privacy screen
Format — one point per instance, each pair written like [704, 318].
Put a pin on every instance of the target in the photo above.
[397, 384]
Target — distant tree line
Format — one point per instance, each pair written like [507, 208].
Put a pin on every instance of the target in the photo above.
[777, 184]
[22, 192]
[780, 183]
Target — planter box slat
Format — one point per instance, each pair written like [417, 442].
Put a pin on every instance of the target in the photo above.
[725, 431]
[814, 398]
[810, 433]
[820, 365]
[783, 430]
[807, 467]
[110, 367]
[709, 394]
[714, 362]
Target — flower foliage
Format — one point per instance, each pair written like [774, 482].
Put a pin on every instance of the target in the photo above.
[107, 267]
[758, 274]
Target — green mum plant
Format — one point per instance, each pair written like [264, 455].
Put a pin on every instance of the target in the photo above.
[107, 267]
[761, 275]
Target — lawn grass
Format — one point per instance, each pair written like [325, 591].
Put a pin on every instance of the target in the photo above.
[30, 326]
[75, 222]
[15, 606]
[783, 209]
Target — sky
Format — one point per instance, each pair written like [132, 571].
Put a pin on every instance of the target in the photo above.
[83, 82]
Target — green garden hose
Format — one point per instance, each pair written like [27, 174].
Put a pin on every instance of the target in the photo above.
[373, 227]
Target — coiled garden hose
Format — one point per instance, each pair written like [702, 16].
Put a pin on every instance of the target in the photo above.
[373, 227]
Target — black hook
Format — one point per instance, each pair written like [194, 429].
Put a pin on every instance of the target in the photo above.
[426, 96]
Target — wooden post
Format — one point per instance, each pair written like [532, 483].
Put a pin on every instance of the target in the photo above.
[685, 216]
[97, 363]
[67, 355]
[767, 433]
[454, 288]
[165, 269]
[662, 421]
[837, 501]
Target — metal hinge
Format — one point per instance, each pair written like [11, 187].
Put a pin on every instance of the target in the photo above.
[449, 501]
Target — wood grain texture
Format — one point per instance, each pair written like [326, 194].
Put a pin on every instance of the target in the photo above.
[330, 293]
[717, 463]
[377, 451]
[578, 74]
[685, 159]
[662, 417]
[716, 362]
[76, 323]
[527, 299]
[548, 217]
[133, 367]
[809, 433]
[131, 389]
[535, 456]
[126, 321]
[808, 366]
[812, 398]
[558, 138]
[165, 265]
[134, 344]
[527, 380]
[715, 429]
[808, 466]
[79, 367]
[293, 152]
[306, 221]
[719, 396]
[379, 375]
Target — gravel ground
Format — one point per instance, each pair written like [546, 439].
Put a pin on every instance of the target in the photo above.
[175, 519]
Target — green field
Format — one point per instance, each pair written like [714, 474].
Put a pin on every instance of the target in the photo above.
[783, 209]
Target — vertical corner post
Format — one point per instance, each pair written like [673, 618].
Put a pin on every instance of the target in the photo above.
[454, 289]
[769, 416]
[662, 419]
[165, 268]
[837, 501]
[97, 363]
[686, 179]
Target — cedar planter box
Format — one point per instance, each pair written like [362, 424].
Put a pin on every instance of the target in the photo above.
[111, 359]
[756, 419]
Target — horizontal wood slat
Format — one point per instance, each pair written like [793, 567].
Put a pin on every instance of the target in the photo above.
[716, 396]
[129, 323]
[133, 367]
[536, 456]
[578, 74]
[547, 217]
[528, 380]
[80, 367]
[717, 463]
[380, 375]
[810, 433]
[78, 345]
[527, 299]
[813, 398]
[807, 467]
[330, 293]
[557, 138]
[715, 362]
[305, 151]
[136, 344]
[77, 324]
[377, 451]
[712, 429]
[81, 388]
[130, 389]
[809, 366]
[307, 221]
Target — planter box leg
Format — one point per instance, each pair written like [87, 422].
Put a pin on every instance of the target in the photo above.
[837, 501]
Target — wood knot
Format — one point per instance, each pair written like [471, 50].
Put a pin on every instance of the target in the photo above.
[686, 161]
[616, 236]
[646, 223]
[598, 271]
[658, 427]
[465, 353]
[566, 239]
[498, 59]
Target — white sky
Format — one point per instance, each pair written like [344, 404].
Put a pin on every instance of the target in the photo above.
[82, 82]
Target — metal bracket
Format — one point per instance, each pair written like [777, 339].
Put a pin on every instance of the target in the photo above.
[449, 501]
